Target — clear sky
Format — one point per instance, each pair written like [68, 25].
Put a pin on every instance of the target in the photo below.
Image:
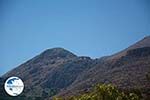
[93, 28]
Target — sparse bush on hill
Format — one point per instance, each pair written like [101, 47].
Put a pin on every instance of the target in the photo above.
[104, 92]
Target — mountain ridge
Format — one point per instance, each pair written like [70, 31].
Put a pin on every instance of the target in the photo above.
[139, 44]
[59, 72]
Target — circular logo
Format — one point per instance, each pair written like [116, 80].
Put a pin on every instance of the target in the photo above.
[14, 86]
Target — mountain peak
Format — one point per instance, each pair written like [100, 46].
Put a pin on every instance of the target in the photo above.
[58, 52]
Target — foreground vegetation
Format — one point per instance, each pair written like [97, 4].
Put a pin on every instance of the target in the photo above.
[104, 92]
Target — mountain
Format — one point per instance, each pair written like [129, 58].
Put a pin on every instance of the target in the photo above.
[46, 74]
[127, 69]
[58, 72]
[145, 42]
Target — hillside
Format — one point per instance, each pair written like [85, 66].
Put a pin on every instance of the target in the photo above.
[58, 72]
[127, 70]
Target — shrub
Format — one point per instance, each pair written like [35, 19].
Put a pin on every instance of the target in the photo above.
[104, 92]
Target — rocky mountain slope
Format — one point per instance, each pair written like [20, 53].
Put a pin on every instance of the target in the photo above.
[61, 73]
[127, 70]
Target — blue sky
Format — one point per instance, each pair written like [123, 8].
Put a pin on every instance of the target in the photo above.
[93, 28]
